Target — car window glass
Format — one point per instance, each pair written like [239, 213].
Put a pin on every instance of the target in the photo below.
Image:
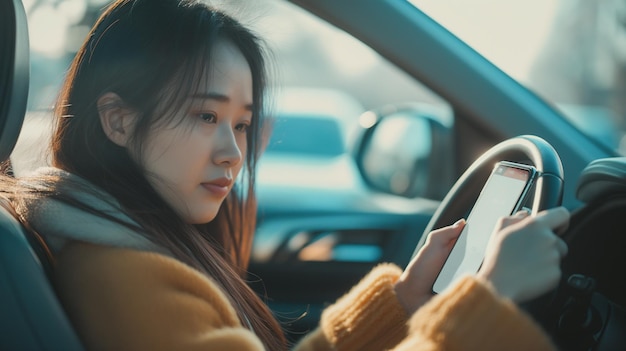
[304, 52]
[300, 135]
[571, 53]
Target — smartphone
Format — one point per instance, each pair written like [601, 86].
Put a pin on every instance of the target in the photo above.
[503, 194]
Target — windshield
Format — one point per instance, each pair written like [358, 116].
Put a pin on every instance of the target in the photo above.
[570, 52]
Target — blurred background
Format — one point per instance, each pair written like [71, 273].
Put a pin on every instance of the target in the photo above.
[571, 52]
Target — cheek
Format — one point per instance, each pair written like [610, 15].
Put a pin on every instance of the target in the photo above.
[173, 157]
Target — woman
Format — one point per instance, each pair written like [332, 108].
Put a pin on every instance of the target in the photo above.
[161, 111]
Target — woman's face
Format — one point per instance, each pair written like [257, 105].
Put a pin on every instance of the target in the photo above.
[193, 161]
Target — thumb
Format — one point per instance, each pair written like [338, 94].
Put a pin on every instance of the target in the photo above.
[451, 231]
[446, 234]
[506, 221]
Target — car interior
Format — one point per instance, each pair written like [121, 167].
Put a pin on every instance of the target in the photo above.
[587, 310]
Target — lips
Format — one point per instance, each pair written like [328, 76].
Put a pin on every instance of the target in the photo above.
[218, 187]
[223, 181]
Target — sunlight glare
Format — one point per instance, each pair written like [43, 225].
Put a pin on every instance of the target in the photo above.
[368, 119]
[350, 56]
[48, 31]
[73, 10]
[511, 34]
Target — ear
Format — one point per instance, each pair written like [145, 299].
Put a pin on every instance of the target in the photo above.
[117, 120]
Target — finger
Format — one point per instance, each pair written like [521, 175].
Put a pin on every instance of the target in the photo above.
[456, 227]
[454, 230]
[459, 224]
[561, 246]
[522, 213]
[448, 233]
[510, 220]
[560, 230]
[554, 218]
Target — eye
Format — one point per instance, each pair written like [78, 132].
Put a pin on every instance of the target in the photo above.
[208, 117]
[242, 127]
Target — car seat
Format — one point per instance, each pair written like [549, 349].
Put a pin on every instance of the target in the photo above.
[590, 309]
[31, 316]
[596, 236]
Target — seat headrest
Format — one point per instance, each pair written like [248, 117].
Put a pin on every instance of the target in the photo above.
[14, 73]
[601, 178]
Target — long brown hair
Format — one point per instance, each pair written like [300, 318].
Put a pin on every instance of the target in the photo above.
[149, 52]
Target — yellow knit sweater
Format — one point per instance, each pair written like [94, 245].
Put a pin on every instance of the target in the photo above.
[124, 299]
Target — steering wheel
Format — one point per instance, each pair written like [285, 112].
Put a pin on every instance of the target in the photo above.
[533, 150]
[606, 327]
[548, 192]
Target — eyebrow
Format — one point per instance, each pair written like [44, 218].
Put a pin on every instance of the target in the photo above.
[217, 97]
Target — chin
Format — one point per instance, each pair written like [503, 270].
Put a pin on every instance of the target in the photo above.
[202, 217]
[202, 212]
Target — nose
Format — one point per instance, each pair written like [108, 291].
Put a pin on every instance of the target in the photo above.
[226, 150]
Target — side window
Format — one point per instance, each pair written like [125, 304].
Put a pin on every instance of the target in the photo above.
[323, 81]
[323, 74]
[56, 29]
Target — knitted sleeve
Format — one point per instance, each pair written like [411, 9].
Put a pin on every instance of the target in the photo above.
[368, 317]
[470, 316]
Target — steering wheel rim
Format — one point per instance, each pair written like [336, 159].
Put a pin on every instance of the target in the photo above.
[548, 188]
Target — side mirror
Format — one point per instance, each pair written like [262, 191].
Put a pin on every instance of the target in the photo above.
[406, 151]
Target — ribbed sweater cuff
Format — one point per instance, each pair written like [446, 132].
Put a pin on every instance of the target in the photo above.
[369, 317]
[470, 316]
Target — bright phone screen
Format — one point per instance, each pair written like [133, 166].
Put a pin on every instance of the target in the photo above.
[498, 198]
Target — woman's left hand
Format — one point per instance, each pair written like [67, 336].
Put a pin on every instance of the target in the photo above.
[414, 288]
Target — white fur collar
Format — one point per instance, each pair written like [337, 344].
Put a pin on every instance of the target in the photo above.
[60, 223]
